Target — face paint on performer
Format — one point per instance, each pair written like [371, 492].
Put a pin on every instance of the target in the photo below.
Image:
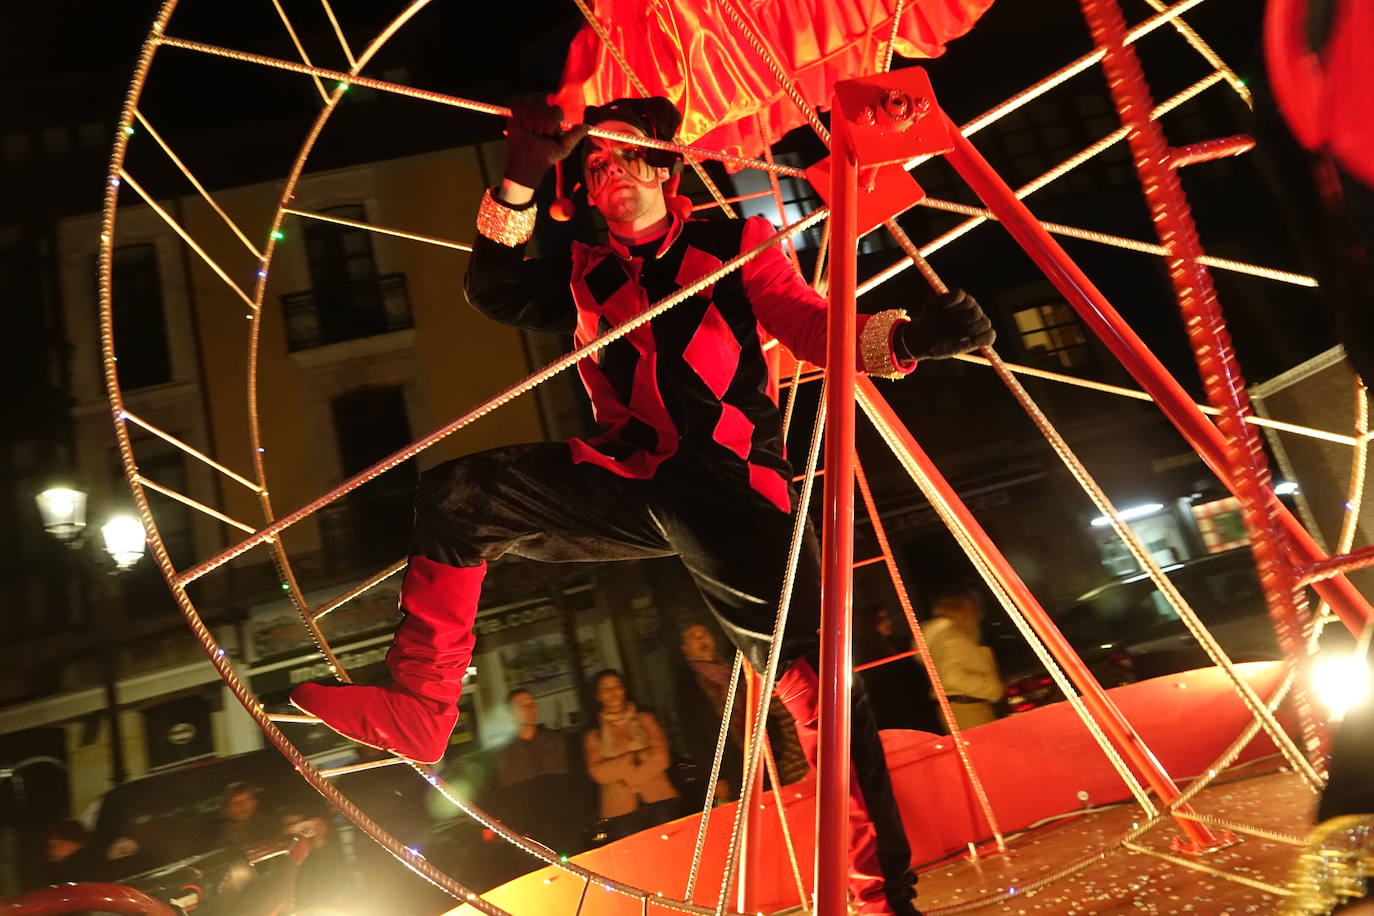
[606, 156]
[621, 183]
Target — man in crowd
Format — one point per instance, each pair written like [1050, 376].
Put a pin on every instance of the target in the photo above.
[539, 795]
[701, 694]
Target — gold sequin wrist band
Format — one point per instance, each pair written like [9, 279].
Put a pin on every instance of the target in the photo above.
[504, 225]
[875, 345]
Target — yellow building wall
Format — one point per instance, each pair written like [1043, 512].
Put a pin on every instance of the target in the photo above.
[461, 358]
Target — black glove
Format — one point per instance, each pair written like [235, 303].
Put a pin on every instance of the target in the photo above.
[535, 140]
[949, 324]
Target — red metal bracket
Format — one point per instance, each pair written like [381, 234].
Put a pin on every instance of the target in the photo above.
[883, 192]
[891, 117]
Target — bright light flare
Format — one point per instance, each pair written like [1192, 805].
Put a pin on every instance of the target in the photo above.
[64, 512]
[125, 540]
[1129, 515]
[1341, 682]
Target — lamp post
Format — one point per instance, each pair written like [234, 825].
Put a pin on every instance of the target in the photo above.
[64, 517]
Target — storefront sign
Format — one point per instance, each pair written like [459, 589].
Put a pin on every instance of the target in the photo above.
[514, 618]
[316, 669]
[276, 629]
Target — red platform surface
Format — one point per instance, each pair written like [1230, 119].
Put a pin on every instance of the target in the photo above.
[1032, 765]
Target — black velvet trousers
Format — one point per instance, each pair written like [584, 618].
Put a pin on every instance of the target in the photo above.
[534, 502]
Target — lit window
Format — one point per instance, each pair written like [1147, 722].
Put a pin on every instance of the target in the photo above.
[799, 200]
[1220, 524]
[1052, 336]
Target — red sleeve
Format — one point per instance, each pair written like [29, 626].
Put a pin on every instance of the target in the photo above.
[789, 309]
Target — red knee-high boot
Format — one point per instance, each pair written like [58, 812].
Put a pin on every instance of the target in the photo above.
[415, 716]
[799, 689]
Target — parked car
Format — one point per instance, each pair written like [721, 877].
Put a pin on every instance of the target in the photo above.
[154, 822]
[1126, 631]
[164, 813]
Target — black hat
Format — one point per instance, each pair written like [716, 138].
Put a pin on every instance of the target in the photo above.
[656, 117]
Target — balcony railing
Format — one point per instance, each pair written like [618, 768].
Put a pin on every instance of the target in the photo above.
[348, 311]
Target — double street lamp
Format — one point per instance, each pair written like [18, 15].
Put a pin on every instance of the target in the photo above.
[64, 517]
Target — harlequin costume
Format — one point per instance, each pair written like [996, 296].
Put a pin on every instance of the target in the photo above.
[688, 462]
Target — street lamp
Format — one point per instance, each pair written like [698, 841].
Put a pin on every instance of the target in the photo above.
[64, 512]
[64, 517]
[125, 540]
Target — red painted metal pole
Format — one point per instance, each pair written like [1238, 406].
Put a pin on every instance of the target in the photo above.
[837, 539]
[1099, 315]
[1103, 710]
[1216, 357]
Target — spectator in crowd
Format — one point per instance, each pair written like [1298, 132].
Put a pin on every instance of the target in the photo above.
[70, 855]
[323, 879]
[239, 823]
[898, 690]
[967, 669]
[627, 756]
[701, 693]
[537, 792]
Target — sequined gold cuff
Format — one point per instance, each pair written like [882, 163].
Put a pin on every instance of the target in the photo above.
[875, 345]
[504, 225]
[1334, 868]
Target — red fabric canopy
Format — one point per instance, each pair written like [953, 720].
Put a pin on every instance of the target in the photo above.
[690, 52]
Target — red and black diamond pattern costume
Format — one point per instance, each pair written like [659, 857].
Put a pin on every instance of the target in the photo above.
[689, 462]
[690, 436]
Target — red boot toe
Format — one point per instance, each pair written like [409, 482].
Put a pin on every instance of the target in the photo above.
[386, 718]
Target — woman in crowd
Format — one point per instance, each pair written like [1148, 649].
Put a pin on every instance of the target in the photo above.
[627, 757]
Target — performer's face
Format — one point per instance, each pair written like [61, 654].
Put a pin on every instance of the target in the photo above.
[620, 182]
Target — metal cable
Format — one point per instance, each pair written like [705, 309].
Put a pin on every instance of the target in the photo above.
[1204, 49]
[453, 101]
[1009, 604]
[1166, 587]
[525, 385]
[610, 46]
[956, 733]
[802, 896]
[892, 37]
[769, 675]
[726, 715]
[780, 73]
